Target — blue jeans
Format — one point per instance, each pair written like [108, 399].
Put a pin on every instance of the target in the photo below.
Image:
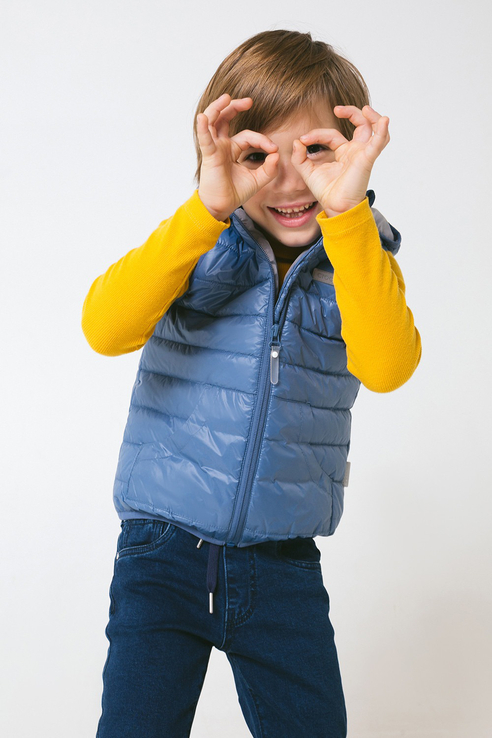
[269, 615]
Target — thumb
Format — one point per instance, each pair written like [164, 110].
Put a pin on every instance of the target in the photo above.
[267, 171]
[298, 157]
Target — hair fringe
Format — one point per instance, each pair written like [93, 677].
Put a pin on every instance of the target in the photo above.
[284, 72]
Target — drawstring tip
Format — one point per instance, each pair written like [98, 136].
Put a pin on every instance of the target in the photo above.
[213, 561]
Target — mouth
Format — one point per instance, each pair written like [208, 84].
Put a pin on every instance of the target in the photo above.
[293, 216]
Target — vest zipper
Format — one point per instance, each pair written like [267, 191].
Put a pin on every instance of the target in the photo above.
[274, 354]
[240, 508]
[275, 343]
[241, 502]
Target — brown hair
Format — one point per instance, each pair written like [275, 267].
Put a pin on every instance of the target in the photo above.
[284, 72]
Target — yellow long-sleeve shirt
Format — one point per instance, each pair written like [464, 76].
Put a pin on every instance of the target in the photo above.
[125, 303]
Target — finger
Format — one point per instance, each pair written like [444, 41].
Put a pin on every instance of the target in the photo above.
[267, 171]
[299, 156]
[247, 139]
[370, 113]
[330, 137]
[205, 138]
[380, 123]
[230, 110]
[358, 117]
[363, 120]
[224, 109]
[213, 110]
[354, 114]
[226, 115]
[379, 140]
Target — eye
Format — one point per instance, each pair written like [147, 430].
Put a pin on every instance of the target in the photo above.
[253, 157]
[315, 146]
[258, 157]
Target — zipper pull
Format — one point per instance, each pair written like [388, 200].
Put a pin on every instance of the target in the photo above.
[274, 362]
[274, 355]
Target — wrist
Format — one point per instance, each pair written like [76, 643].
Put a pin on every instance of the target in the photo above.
[214, 213]
[330, 213]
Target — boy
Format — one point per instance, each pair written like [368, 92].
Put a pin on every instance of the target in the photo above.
[262, 304]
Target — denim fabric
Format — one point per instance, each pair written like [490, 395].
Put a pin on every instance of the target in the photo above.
[270, 617]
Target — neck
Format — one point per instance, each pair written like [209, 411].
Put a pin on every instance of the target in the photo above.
[289, 253]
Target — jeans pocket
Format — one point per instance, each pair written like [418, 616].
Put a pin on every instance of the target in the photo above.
[300, 552]
[141, 535]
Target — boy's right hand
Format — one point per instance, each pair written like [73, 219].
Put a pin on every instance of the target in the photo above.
[225, 184]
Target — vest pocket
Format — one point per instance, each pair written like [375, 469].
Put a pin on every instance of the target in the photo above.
[301, 552]
[139, 536]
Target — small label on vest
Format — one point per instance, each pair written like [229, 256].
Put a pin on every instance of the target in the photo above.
[321, 276]
[347, 474]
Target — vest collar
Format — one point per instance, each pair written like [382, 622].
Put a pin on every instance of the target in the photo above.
[246, 227]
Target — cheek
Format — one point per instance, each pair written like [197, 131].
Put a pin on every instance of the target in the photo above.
[254, 203]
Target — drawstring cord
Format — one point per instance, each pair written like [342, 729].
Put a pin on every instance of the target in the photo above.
[213, 563]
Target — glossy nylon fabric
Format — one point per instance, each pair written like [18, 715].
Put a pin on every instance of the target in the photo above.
[210, 443]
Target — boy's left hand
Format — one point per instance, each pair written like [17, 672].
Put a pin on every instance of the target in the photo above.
[342, 184]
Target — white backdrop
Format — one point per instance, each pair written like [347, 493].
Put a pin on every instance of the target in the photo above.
[96, 136]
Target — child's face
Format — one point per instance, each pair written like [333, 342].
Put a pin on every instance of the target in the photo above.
[288, 189]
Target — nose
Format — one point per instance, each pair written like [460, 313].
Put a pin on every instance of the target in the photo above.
[288, 179]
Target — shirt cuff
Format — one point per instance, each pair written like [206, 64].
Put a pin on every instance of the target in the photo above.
[353, 218]
[204, 220]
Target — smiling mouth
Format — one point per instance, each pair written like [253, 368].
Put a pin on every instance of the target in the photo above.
[295, 212]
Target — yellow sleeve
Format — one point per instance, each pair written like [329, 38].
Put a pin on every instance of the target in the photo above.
[383, 345]
[124, 304]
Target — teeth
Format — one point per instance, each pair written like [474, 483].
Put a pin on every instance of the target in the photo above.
[293, 210]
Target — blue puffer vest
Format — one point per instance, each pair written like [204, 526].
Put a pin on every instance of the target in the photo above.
[239, 421]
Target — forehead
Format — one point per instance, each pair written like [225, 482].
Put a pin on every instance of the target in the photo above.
[319, 115]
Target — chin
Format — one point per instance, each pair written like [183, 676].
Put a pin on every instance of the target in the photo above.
[298, 239]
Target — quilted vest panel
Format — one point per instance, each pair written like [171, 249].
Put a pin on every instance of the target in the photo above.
[239, 422]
